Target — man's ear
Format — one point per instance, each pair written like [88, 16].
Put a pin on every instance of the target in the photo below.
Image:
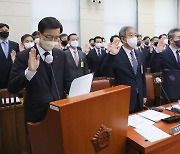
[123, 40]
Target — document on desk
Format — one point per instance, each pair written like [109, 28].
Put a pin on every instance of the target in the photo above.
[81, 85]
[151, 133]
[137, 120]
[153, 115]
[174, 106]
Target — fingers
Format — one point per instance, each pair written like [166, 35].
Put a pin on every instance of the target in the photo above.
[38, 57]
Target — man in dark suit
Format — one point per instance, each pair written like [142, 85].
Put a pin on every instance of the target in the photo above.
[96, 56]
[169, 64]
[76, 58]
[8, 50]
[31, 71]
[127, 64]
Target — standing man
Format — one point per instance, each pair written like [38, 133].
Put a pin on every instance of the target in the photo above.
[8, 50]
[44, 82]
[96, 56]
[127, 64]
[76, 58]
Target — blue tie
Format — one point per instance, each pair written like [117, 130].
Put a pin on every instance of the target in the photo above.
[134, 62]
[178, 57]
[5, 48]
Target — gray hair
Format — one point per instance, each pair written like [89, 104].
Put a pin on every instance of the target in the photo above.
[123, 30]
[172, 32]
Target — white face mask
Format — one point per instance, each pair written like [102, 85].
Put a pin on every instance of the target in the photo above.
[48, 45]
[37, 40]
[98, 45]
[132, 42]
[166, 41]
[28, 45]
[74, 44]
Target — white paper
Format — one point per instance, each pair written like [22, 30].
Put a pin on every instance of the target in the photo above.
[174, 106]
[153, 115]
[151, 133]
[81, 85]
[136, 121]
[12, 100]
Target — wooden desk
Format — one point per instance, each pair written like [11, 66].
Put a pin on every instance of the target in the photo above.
[137, 144]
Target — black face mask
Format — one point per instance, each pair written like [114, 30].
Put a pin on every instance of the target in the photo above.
[139, 43]
[4, 34]
[155, 44]
[64, 43]
[177, 43]
[146, 43]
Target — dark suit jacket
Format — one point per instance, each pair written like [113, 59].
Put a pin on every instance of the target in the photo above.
[124, 75]
[6, 64]
[171, 73]
[39, 90]
[82, 68]
[95, 61]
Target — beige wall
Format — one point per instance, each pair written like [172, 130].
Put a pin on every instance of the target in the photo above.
[178, 13]
[16, 13]
[146, 19]
[91, 20]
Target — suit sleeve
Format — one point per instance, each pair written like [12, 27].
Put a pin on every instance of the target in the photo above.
[17, 80]
[86, 65]
[107, 64]
[155, 63]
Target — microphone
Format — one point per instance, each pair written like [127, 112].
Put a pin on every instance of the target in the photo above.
[174, 118]
[49, 60]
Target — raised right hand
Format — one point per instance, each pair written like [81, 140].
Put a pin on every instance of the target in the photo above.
[33, 62]
[113, 48]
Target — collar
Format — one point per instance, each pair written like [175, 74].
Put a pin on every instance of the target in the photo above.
[72, 50]
[6, 41]
[42, 51]
[173, 49]
[127, 50]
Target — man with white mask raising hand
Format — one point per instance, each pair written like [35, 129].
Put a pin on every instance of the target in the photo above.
[45, 79]
[127, 65]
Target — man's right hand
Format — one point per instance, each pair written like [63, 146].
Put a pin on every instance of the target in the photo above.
[113, 48]
[33, 62]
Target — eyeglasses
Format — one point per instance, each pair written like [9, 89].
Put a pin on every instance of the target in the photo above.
[51, 38]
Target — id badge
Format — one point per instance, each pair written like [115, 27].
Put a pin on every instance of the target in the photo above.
[82, 64]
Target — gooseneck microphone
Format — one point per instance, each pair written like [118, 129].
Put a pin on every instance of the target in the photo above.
[49, 60]
[174, 118]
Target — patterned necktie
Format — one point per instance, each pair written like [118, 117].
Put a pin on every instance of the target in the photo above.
[5, 48]
[99, 52]
[47, 67]
[76, 58]
[178, 57]
[134, 62]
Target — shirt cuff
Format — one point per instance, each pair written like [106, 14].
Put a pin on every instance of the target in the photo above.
[29, 74]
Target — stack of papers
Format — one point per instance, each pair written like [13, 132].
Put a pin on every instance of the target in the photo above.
[151, 133]
[153, 115]
[137, 120]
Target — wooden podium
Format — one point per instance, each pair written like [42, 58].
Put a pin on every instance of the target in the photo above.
[92, 123]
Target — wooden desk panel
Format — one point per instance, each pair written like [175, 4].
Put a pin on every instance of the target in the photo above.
[137, 143]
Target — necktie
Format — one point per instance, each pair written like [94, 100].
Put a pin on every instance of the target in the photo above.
[76, 58]
[47, 67]
[5, 48]
[178, 57]
[134, 62]
[99, 52]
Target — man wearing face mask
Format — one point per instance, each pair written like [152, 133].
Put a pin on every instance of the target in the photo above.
[96, 56]
[76, 58]
[43, 70]
[169, 62]
[127, 64]
[8, 50]
[27, 41]
[64, 41]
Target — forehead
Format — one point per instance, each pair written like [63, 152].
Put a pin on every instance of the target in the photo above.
[177, 34]
[131, 31]
[28, 38]
[53, 32]
[4, 28]
[98, 40]
[73, 37]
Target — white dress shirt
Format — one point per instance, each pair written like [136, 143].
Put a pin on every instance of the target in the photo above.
[128, 52]
[174, 52]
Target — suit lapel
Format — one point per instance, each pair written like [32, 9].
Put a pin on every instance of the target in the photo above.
[171, 55]
[139, 61]
[71, 58]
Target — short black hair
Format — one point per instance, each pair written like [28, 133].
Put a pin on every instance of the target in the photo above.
[112, 38]
[139, 35]
[123, 30]
[160, 36]
[4, 25]
[25, 36]
[35, 33]
[152, 39]
[98, 37]
[71, 35]
[91, 39]
[146, 37]
[49, 23]
[62, 35]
